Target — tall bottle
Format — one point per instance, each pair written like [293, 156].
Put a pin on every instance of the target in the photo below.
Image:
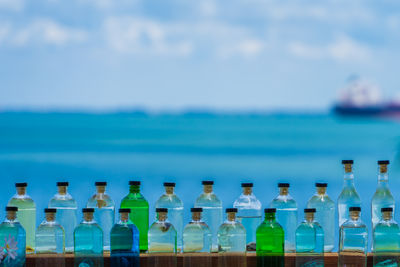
[383, 197]
[349, 196]
[88, 241]
[67, 213]
[162, 241]
[174, 205]
[353, 240]
[196, 241]
[12, 240]
[26, 214]
[212, 211]
[249, 214]
[232, 241]
[386, 238]
[286, 215]
[325, 214]
[104, 211]
[124, 242]
[50, 239]
[270, 242]
[139, 211]
[309, 241]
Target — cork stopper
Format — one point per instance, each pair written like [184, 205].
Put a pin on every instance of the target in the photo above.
[247, 188]
[124, 214]
[162, 214]
[355, 213]
[207, 186]
[11, 213]
[50, 214]
[101, 187]
[387, 213]
[283, 189]
[231, 214]
[62, 188]
[383, 166]
[321, 188]
[196, 213]
[309, 214]
[88, 214]
[21, 188]
[169, 188]
[348, 165]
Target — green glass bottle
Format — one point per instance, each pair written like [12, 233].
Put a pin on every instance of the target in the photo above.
[139, 212]
[26, 214]
[270, 241]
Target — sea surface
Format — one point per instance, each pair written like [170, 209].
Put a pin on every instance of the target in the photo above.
[43, 148]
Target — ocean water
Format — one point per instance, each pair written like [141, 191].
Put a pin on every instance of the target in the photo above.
[42, 148]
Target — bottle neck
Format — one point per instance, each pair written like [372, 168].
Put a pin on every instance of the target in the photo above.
[269, 217]
[11, 216]
[283, 191]
[208, 189]
[309, 217]
[354, 215]
[21, 191]
[387, 216]
[88, 217]
[231, 216]
[383, 177]
[100, 189]
[62, 190]
[169, 190]
[321, 191]
[124, 217]
[50, 217]
[196, 216]
[161, 216]
[134, 189]
[247, 191]
[348, 179]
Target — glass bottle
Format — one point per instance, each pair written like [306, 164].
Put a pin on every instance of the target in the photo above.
[212, 211]
[386, 238]
[353, 240]
[325, 214]
[232, 241]
[249, 214]
[270, 242]
[286, 215]
[124, 242]
[196, 241]
[174, 205]
[88, 241]
[67, 213]
[383, 197]
[349, 196]
[26, 214]
[12, 240]
[162, 241]
[50, 239]
[309, 241]
[104, 211]
[139, 211]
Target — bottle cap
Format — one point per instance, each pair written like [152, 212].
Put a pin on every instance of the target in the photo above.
[207, 182]
[283, 185]
[270, 210]
[50, 210]
[62, 184]
[310, 210]
[386, 209]
[355, 209]
[169, 184]
[196, 210]
[100, 183]
[124, 210]
[161, 210]
[383, 162]
[247, 184]
[231, 210]
[347, 161]
[84, 210]
[134, 182]
[21, 184]
[321, 185]
[11, 208]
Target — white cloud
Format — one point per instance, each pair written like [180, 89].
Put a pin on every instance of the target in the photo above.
[247, 48]
[4, 31]
[16, 5]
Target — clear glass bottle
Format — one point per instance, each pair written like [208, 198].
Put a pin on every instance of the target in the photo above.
[162, 241]
[88, 241]
[174, 205]
[139, 211]
[124, 242]
[249, 214]
[353, 240]
[270, 241]
[67, 213]
[325, 214]
[212, 211]
[12, 240]
[349, 196]
[104, 211]
[383, 197]
[26, 214]
[232, 241]
[309, 241]
[386, 239]
[286, 215]
[50, 239]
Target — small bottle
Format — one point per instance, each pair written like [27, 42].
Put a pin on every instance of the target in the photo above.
[349, 196]
[212, 211]
[26, 214]
[124, 242]
[353, 240]
[386, 239]
[104, 211]
[174, 205]
[67, 213]
[12, 240]
[249, 214]
[383, 197]
[325, 214]
[309, 241]
[270, 241]
[286, 215]
[139, 211]
[88, 241]
[50, 239]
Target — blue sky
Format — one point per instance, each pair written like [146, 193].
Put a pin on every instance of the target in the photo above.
[179, 54]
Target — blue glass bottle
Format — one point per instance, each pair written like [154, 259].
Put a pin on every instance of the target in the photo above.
[349, 196]
[309, 241]
[12, 240]
[249, 214]
[104, 211]
[124, 242]
[353, 240]
[88, 242]
[286, 215]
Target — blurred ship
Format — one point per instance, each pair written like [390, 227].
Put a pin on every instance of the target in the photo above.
[361, 98]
